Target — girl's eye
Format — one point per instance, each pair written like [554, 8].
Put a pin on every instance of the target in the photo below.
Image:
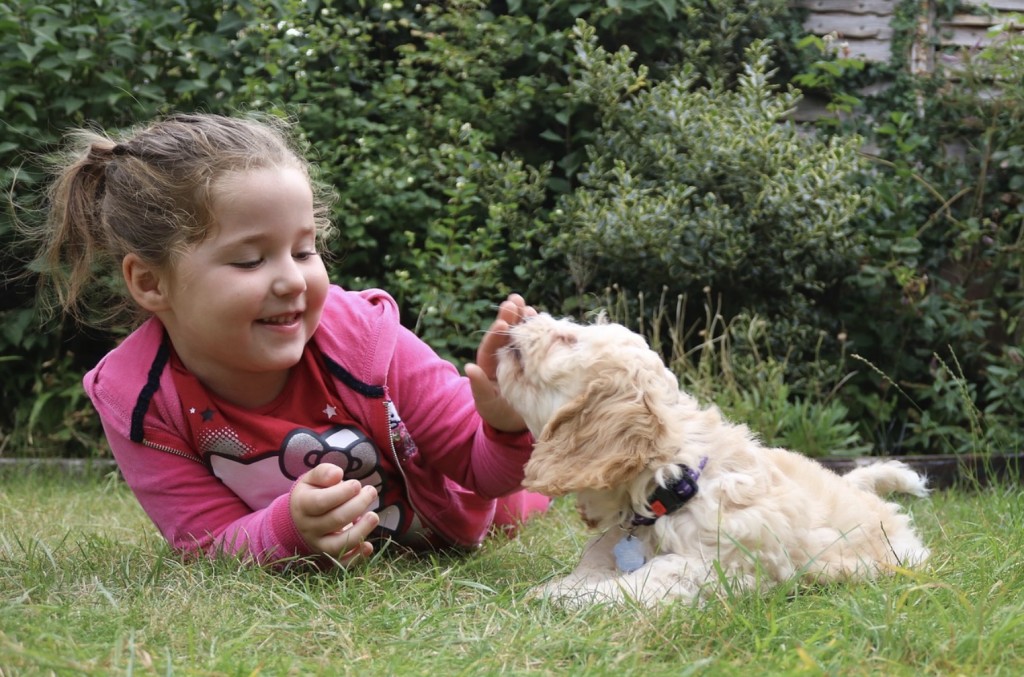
[303, 256]
[247, 265]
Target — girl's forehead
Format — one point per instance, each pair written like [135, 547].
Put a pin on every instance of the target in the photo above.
[255, 204]
[231, 183]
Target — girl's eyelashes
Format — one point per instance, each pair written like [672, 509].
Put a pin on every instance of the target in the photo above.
[304, 255]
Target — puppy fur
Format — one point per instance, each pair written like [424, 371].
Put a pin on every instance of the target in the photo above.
[610, 423]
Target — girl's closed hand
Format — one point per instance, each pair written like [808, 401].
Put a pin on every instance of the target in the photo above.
[332, 514]
[493, 408]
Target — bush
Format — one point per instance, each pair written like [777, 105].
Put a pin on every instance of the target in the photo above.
[942, 277]
[406, 108]
[66, 64]
[691, 186]
[732, 364]
[480, 147]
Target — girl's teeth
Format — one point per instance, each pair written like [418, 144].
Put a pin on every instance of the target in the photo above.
[279, 320]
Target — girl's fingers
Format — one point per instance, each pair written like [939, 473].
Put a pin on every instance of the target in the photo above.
[345, 510]
[323, 501]
[350, 542]
[356, 554]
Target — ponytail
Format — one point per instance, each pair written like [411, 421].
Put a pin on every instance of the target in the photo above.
[77, 241]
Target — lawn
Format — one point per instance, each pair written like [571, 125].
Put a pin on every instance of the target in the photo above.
[87, 586]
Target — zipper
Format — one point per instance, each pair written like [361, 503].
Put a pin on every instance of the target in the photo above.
[405, 479]
[170, 450]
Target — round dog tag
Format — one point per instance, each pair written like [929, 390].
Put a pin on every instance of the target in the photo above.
[629, 554]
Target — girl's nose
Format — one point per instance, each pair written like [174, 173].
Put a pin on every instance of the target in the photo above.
[289, 280]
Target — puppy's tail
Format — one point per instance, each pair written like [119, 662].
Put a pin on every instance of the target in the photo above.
[888, 477]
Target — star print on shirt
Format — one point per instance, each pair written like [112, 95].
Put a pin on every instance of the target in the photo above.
[330, 411]
[208, 414]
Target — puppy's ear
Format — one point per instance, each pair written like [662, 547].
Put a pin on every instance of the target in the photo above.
[602, 439]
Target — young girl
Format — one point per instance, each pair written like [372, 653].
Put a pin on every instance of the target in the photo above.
[259, 410]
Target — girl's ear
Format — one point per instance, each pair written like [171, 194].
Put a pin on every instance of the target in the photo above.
[145, 283]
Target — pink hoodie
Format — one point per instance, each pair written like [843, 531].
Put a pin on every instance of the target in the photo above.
[453, 471]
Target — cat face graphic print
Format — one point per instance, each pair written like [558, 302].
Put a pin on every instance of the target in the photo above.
[259, 453]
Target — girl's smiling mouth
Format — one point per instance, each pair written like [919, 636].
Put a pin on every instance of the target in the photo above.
[281, 320]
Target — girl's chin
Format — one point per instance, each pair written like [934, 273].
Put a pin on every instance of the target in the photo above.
[278, 356]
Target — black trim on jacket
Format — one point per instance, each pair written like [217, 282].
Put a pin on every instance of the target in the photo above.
[163, 354]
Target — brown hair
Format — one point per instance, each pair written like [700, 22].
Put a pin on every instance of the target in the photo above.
[149, 192]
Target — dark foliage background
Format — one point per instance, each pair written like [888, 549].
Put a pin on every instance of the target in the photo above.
[483, 147]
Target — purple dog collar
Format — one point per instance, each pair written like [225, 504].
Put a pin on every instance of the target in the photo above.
[666, 500]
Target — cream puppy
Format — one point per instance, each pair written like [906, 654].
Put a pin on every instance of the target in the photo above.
[685, 499]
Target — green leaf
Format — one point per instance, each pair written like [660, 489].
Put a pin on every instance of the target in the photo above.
[30, 51]
[28, 109]
[70, 104]
[907, 245]
[37, 407]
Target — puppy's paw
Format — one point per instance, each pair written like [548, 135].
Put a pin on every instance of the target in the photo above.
[552, 590]
[575, 593]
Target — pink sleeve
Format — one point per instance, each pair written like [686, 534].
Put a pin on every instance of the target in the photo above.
[437, 406]
[196, 513]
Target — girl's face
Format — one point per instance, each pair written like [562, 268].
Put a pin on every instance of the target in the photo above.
[242, 304]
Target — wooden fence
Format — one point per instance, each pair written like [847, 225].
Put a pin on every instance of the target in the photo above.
[863, 30]
[864, 27]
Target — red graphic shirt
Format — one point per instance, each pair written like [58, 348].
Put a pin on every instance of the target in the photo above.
[259, 453]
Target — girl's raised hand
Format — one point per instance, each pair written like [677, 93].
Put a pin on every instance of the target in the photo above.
[483, 375]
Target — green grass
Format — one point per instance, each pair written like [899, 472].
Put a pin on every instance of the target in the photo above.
[88, 587]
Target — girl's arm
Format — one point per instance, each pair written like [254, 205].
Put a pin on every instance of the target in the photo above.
[197, 513]
[437, 406]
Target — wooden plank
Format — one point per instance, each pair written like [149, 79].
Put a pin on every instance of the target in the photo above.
[850, 26]
[876, 51]
[996, 5]
[922, 57]
[963, 36]
[970, 30]
[863, 30]
[886, 7]
[977, 20]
